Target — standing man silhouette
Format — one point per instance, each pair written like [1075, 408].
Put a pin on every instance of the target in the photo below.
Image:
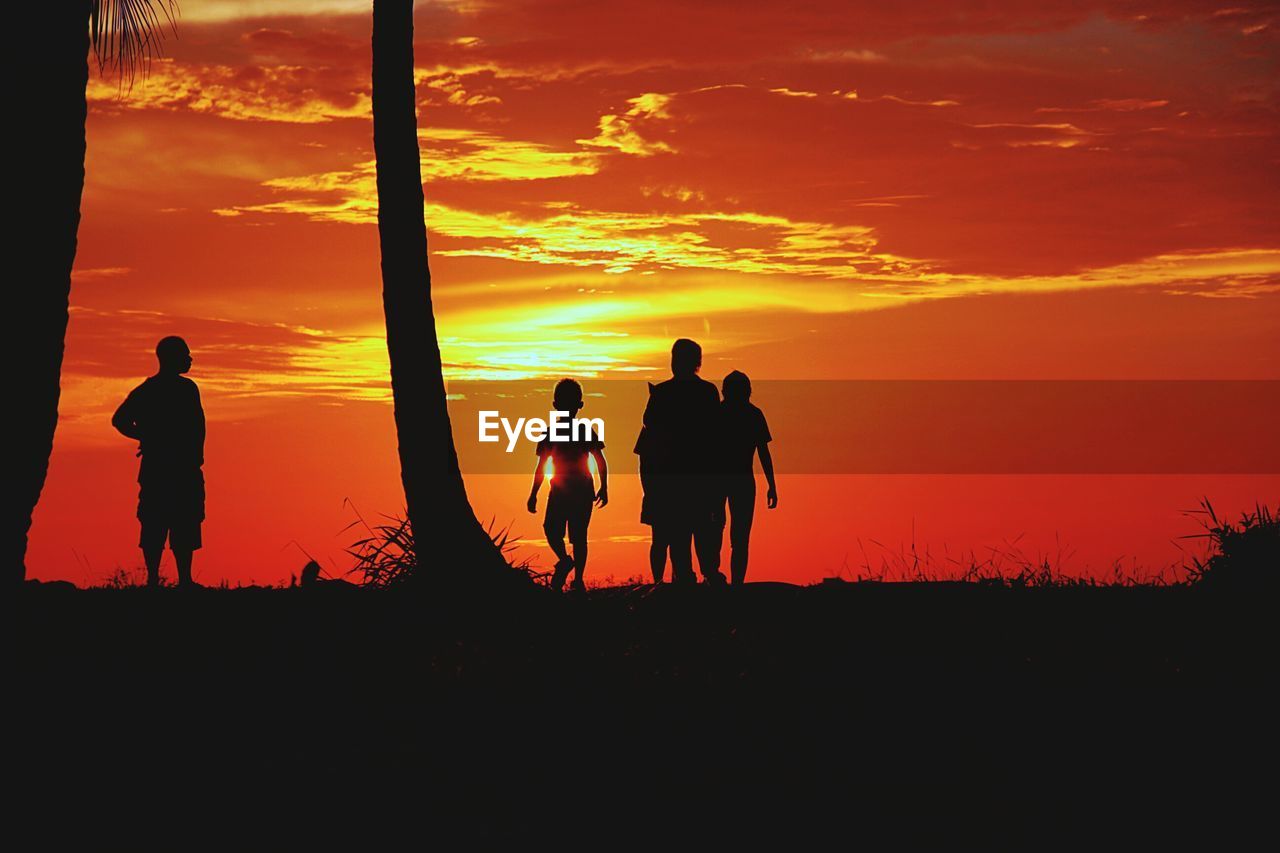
[678, 449]
[164, 416]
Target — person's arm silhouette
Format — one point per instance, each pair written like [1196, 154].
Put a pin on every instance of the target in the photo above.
[200, 425]
[766, 465]
[647, 419]
[602, 469]
[763, 437]
[125, 419]
[544, 451]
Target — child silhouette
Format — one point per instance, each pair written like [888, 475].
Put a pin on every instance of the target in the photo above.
[572, 491]
[743, 433]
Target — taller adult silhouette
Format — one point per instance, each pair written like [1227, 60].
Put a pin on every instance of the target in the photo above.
[165, 417]
[677, 453]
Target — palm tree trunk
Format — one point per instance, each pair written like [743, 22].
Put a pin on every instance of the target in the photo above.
[443, 522]
[50, 181]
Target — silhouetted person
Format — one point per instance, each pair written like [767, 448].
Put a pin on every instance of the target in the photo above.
[164, 416]
[742, 433]
[658, 547]
[679, 423]
[572, 490]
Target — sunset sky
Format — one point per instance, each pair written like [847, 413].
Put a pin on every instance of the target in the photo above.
[815, 190]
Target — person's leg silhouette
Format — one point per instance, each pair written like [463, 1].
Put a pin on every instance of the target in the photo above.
[578, 538]
[182, 557]
[151, 556]
[658, 553]
[155, 533]
[680, 542]
[184, 539]
[742, 508]
[579, 562]
[706, 540]
[707, 529]
[554, 526]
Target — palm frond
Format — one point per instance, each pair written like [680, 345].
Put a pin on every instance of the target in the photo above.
[127, 34]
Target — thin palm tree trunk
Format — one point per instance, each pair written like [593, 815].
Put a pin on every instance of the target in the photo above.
[50, 181]
[443, 522]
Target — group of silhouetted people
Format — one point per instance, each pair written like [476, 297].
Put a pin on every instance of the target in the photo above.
[697, 455]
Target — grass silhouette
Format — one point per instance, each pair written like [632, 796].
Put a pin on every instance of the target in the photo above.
[387, 556]
[1245, 555]
[771, 713]
[1241, 553]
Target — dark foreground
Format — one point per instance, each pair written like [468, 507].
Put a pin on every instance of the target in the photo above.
[823, 716]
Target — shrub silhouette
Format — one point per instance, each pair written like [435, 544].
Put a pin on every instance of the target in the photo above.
[387, 556]
[1245, 555]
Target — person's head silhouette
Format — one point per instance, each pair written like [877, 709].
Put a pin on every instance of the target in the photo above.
[686, 358]
[174, 355]
[567, 396]
[736, 387]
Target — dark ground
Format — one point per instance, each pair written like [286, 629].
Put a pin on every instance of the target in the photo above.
[921, 714]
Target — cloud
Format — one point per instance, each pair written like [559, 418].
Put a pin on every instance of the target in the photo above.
[448, 154]
[572, 236]
[1231, 287]
[454, 154]
[939, 102]
[98, 273]
[283, 93]
[789, 193]
[1069, 129]
[230, 10]
[681, 193]
[120, 343]
[1036, 135]
[1203, 268]
[450, 84]
[622, 132]
[613, 241]
[547, 327]
[848, 55]
[1117, 105]
[238, 362]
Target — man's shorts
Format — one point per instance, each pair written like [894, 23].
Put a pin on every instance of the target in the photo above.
[182, 534]
[569, 506]
[171, 508]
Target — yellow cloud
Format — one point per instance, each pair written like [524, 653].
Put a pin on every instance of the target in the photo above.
[610, 241]
[448, 154]
[455, 154]
[1119, 105]
[723, 241]
[450, 84]
[540, 327]
[1193, 269]
[283, 93]
[235, 10]
[622, 131]
[95, 273]
[895, 99]
[1061, 127]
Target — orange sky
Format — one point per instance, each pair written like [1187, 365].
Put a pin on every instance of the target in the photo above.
[814, 191]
